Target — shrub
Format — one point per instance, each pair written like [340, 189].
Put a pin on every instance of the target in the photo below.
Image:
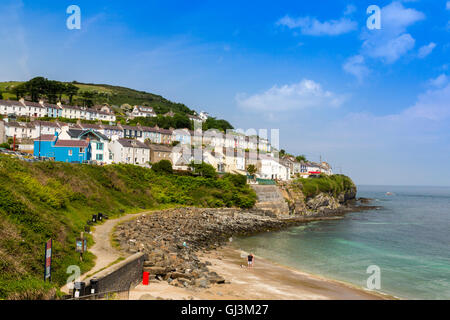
[163, 166]
[204, 170]
[237, 179]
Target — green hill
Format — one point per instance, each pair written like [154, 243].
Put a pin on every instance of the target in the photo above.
[121, 100]
[44, 200]
[113, 95]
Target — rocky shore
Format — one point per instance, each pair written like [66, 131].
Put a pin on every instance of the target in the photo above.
[173, 239]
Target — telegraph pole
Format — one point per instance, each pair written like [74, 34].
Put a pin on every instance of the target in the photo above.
[39, 141]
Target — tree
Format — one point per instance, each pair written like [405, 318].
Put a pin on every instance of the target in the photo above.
[87, 98]
[213, 123]
[181, 121]
[71, 90]
[163, 166]
[36, 87]
[203, 170]
[301, 158]
[19, 91]
[53, 90]
[282, 152]
[251, 169]
[1, 95]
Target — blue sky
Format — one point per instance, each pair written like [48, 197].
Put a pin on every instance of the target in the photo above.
[374, 103]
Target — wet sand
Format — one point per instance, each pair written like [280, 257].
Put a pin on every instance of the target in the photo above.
[266, 281]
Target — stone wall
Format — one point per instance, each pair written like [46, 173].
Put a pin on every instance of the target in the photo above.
[120, 276]
[2, 132]
[270, 198]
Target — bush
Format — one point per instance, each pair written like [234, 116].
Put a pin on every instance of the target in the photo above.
[237, 179]
[163, 166]
[203, 170]
[333, 185]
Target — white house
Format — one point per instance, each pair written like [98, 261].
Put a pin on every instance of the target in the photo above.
[143, 111]
[196, 120]
[129, 151]
[270, 168]
[204, 116]
[234, 160]
[23, 108]
[99, 142]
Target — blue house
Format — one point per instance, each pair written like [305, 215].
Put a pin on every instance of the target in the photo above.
[53, 110]
[74, 151]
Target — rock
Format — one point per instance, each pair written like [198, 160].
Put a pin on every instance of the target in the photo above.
[156, 270]
[202, 283]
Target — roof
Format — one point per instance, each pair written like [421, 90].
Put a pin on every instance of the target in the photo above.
[160, 148]
[46, 124]
[191, 116]
[149, 129]
[130, 143]
[165, 131]
[77, 133]
[72, 143]
[108, 127]
[46, 137]
[90, 126]
[10, 103]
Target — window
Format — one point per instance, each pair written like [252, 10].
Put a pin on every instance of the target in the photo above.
[99, 146]
[99, 157]
[70, 152]
[81, 150]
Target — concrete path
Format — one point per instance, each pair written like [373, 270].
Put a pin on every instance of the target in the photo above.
[103, 250]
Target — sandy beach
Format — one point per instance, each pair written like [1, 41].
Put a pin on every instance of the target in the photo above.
[266, 281]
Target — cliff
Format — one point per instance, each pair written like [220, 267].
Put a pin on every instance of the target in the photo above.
[319, 195]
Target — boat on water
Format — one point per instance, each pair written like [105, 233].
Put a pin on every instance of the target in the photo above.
[389, 194]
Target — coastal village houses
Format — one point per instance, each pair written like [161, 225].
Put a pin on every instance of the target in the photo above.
[121, 143]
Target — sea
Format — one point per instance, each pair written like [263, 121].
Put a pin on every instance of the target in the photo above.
[401, 249]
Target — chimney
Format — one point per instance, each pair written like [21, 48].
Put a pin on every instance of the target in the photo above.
[59, 104]
[22, 101]
[41, 102]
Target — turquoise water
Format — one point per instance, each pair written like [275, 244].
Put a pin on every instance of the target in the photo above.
[408, 239]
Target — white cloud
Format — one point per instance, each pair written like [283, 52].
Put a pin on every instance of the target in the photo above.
[392, 41]
[432, 105]
[426, 50]
[356, 66]
[302, 95]
[439, 82]
[313, 27]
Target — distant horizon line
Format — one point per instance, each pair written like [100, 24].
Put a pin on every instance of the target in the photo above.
[403, 185]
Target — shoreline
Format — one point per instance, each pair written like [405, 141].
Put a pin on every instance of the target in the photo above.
[266, 281]
[210, 268]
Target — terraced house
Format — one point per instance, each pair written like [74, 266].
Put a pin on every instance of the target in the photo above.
[73, 151]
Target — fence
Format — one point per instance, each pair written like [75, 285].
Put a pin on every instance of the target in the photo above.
[110, 295]
[265, 182]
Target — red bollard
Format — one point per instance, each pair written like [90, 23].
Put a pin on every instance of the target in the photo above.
[145, 278]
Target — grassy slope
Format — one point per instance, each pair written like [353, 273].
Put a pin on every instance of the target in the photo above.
[46, 200]
[115, 95]
[333, 185]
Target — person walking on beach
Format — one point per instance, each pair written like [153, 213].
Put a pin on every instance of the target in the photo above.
[250, 260]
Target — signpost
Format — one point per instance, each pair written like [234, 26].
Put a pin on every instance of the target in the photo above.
[48, 261]
[81, 245]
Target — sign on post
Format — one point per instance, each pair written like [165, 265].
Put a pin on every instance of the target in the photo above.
[79, 245]
[48, 261]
